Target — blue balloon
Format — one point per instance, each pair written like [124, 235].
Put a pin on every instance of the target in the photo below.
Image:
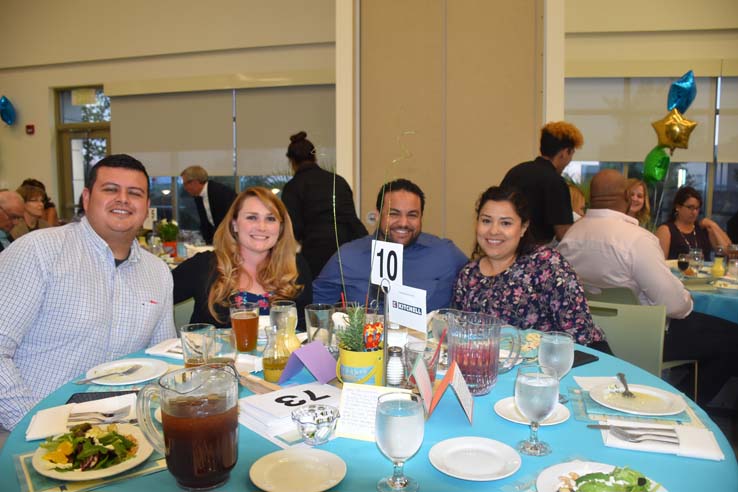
[7, 111]
[682, 93]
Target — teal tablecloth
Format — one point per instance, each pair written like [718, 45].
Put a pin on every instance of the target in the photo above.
[714, 303]
[366, 465]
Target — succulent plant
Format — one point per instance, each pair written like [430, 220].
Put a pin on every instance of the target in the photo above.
[352, 337]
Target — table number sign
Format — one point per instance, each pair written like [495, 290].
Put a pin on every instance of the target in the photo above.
[275, 408]
[386, 263]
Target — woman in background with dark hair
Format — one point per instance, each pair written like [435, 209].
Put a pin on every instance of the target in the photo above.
[683, 231]
[34, 197]
[309, 200]
[50, 214]
[525, 285]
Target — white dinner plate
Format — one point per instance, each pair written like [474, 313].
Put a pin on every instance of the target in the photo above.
[474, 458]
[507, 409]
[298, 470]
[648, 400]
[548, 480]
[150, 369]
[142, 454]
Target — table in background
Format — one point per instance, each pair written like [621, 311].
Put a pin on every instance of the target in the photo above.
[366, 465]
[708, 300]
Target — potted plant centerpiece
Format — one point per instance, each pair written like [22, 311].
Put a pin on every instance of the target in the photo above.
[168, 231]
[360, 347]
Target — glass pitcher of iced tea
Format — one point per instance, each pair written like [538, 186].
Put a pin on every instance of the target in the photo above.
[199, 423]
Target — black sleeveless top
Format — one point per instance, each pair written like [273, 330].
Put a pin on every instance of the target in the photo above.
[682, 243]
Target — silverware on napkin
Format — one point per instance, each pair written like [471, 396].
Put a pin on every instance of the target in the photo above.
[636, 437]
[650, 430]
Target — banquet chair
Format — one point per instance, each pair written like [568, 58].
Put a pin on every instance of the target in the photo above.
[636, 334]
[183, 313]
[617, 295]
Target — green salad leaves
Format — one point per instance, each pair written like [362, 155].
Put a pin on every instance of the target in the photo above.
[86, 447]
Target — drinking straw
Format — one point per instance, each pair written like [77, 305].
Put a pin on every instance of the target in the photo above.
[438, 348]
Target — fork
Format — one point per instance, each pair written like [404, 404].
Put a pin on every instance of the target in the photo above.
[642, 436]
[102, 417]
[130, 370]
[627, 393]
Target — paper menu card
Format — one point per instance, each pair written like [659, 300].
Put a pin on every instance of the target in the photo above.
[358, 410]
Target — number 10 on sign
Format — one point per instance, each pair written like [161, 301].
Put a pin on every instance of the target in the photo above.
[386, 262]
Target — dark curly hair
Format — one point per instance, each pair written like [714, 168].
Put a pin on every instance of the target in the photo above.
[301, 150]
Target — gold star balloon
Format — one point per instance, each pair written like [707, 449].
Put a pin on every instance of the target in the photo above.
[674, 130]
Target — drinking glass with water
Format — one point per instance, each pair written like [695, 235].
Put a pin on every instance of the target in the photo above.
[556, 352]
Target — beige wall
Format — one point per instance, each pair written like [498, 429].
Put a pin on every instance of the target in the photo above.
[459, 84]
[139, 43]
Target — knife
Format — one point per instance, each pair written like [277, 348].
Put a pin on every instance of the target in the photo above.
[650, 430]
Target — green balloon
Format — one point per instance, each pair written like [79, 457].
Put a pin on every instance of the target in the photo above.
[656, 165]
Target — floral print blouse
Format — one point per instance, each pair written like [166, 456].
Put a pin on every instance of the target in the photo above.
[538, 291]
[240, 297]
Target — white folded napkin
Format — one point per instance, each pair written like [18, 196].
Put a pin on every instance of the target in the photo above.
[171, 348]
[53, 421]
[587, 383]
[693, 442]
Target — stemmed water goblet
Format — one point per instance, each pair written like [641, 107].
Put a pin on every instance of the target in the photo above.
[556, 353]
[399, 426]
[535, 396]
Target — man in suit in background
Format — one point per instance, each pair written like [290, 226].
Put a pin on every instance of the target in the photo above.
[211, 198]
[11, 212]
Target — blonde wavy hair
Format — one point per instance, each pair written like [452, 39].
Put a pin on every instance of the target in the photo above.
[644, 214]
[277, 274]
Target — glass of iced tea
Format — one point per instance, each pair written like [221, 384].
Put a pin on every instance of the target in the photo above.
[195, 343]
[199, 431]
[245, 323]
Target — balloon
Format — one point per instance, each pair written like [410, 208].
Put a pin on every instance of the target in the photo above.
[682, 93]
[7, 111]
[674, 130]
[655, 165]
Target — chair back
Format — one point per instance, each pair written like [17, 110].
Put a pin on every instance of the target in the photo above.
[183, 313]
[635, 333]
[617, 295]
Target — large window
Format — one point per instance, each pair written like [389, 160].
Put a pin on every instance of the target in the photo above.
[615, 115]
[83, 131]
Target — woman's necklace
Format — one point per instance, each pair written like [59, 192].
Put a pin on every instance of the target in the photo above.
[693, 234]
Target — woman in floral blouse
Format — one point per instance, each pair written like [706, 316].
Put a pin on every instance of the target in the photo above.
[525, 285]
[255, 259]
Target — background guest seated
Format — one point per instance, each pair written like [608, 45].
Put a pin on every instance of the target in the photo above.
[638, 204]
[607, 249]
[429, 262]
[683, 231]
[34, 198]
[50, 213]
[525, 285]
[255, 259]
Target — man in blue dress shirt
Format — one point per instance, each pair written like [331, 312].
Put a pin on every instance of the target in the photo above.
[429, 262]
[82, 294]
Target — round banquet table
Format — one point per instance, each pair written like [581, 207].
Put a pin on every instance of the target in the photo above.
[708, 300]
[569, 440]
